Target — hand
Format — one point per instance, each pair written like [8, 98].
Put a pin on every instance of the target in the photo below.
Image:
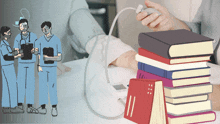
[19, 55]
[17, 50]
[32, 51]
[39, 69]
[45, 56]
[214, 97]
[155, 22]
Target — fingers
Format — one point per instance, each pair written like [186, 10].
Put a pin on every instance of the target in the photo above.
[164, 27]
[160, 19]
[150, 19]
[141, 16]
[156, 6]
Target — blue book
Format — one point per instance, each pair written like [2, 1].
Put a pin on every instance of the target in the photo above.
[187, 73]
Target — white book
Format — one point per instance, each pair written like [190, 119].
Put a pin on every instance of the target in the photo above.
[190, 108]
[187, 99]
[186, 91]
[167, 67]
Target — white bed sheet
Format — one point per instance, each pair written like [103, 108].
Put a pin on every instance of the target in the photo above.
[72, 105]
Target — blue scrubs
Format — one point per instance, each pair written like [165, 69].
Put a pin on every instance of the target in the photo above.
[9, 88]
[25, 76]
[48, 77]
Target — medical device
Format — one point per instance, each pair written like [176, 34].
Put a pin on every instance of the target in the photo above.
[23, 17]
[115, 92]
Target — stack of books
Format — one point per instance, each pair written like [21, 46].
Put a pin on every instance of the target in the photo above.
[179, 58]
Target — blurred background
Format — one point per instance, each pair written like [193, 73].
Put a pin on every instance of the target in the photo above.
[104, 11]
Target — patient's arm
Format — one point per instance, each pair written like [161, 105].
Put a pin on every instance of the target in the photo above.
[85, 28]
[127, 60]
[214, 97]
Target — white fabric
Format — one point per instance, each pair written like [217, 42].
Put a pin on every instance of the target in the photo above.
[116, 47]
[77, 110]
[100, 93]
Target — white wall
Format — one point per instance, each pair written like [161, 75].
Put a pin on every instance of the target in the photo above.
[129, 27]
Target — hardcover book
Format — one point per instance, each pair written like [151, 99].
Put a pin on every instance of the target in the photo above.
[189, 108]
[192, 118]
[148, 54]
[145, 102]
[188, 90]
[187, 73]
[186, 99]
[168, 67]
[176, 82]
[176, 43]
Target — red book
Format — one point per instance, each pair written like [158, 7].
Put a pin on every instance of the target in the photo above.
[154, 56]
[143, 105]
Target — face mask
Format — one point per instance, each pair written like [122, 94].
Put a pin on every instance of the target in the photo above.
[46, 30]
[23, 27]
[8, 36]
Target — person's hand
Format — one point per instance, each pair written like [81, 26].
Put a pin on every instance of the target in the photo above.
[32, 51]
[45, 56]
[214, 97]
[19, 55]
[39, 69]
[155, 22]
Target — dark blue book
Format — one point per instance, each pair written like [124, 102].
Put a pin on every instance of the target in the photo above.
[187, 73]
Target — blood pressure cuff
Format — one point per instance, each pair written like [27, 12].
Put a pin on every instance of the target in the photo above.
[26, 48]
[49, 51]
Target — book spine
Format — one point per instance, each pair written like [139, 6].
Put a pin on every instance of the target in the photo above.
[155, 70]
[132, 108]
[154, 45]
[145, 75]
[154, 56]
[167, 122]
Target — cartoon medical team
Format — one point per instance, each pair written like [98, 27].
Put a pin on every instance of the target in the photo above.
[26, 48]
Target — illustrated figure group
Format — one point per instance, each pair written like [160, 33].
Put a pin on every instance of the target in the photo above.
[26, 48]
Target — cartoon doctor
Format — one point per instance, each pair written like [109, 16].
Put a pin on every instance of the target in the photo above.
[50, 52]
[9, 89]
[26, 81]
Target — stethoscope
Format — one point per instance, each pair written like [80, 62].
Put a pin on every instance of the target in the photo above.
[9, 50]
[29, 36]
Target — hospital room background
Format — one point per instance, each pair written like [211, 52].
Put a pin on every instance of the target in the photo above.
[104, 11]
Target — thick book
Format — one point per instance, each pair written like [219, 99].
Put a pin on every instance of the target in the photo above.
[176, 43]
[176, 82]
[193, 118]
[145, 102]
[188, 90]
[186, 99]
[187, 73]
[168, 67]
[189, 108]
[148, 54]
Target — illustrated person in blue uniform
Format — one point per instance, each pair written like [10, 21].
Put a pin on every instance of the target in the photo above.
[9, 89]
[25, 78]
[50, 51]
